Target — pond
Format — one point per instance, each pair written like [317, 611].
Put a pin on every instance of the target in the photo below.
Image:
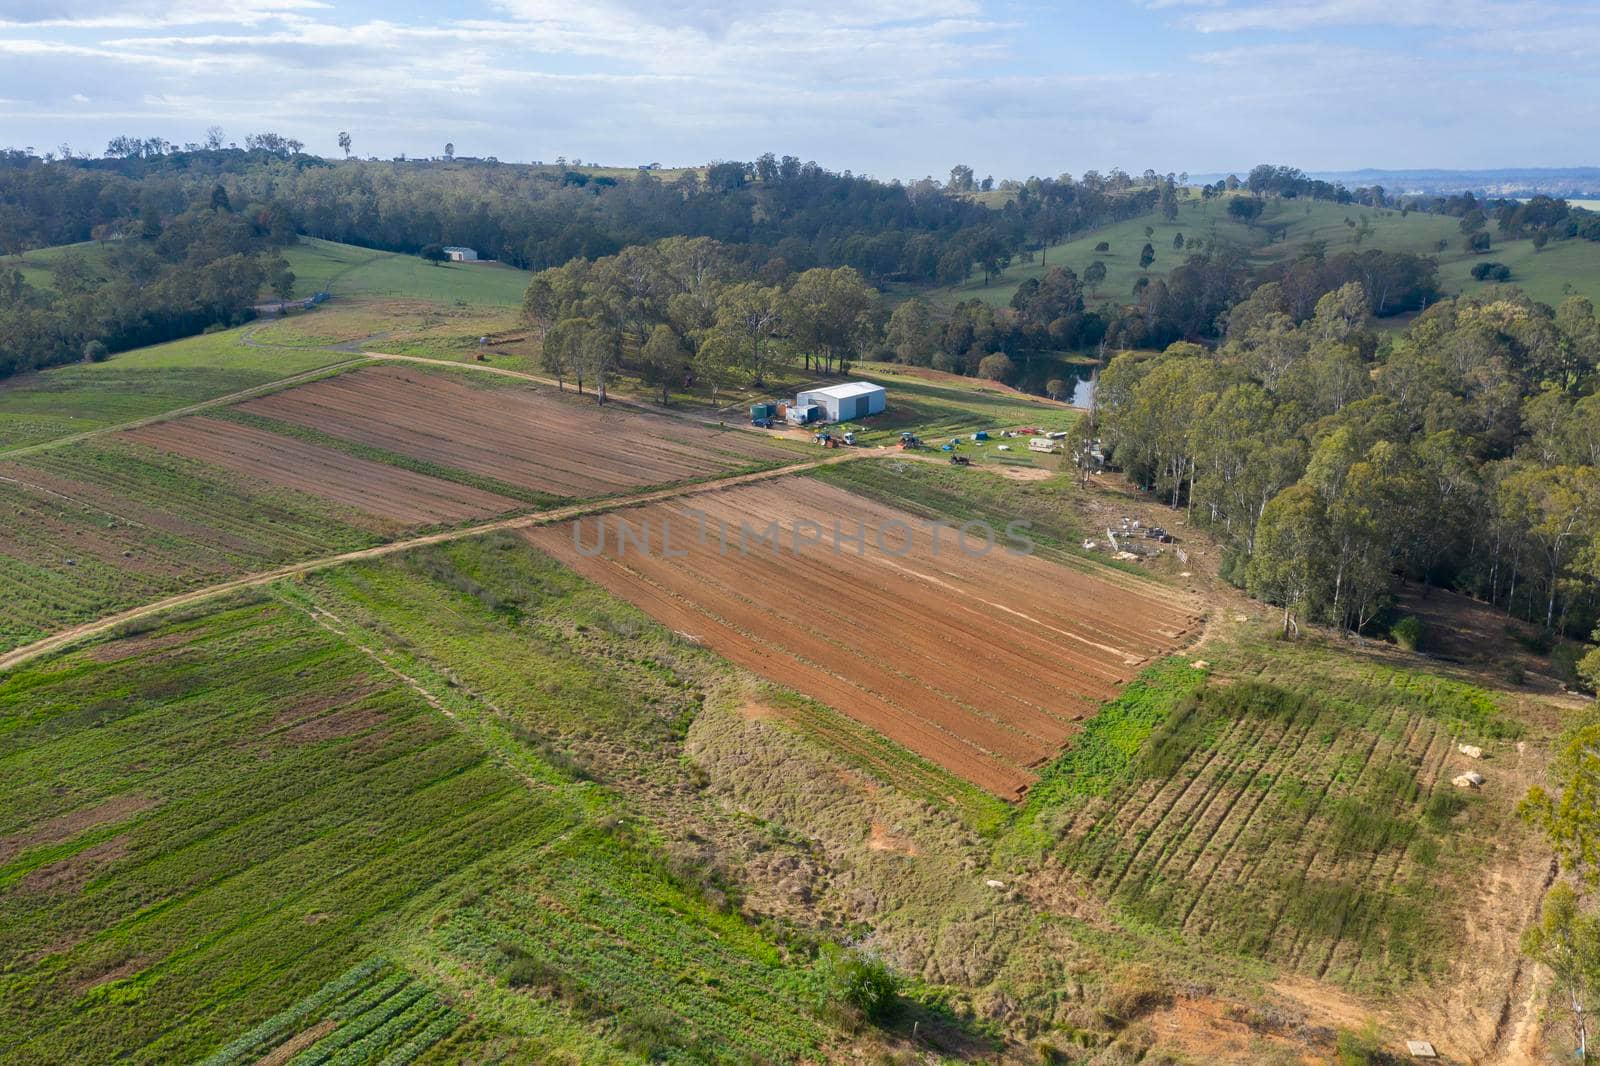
[1039, 370]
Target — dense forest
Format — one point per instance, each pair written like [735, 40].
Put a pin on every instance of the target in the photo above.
[191, 235]
[1334, 462]
[774, 217]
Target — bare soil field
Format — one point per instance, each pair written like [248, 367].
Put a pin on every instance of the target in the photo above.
[527, 437]
[888, 633]
[403, 495]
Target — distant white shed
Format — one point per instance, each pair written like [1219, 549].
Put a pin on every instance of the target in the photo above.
[841, 403]
[459, 254]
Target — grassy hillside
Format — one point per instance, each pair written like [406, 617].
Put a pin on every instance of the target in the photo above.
[344, 270]
[1545, 275]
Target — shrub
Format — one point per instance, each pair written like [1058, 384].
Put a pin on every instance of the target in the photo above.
[1408, 632]
[1566, 661]
[862, 983]
[1490, 271]
[1363, 1048]
[1589, 670]
[1513, 672]
[95, 352]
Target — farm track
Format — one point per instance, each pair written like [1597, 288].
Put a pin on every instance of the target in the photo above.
[73, 634]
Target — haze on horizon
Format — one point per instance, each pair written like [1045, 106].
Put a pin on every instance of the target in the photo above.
[1012, 88]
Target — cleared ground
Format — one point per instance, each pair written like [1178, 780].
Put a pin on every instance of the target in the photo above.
[888, 636]
[526, 437]
[403, 495]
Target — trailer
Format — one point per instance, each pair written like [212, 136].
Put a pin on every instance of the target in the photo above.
[1044, 444]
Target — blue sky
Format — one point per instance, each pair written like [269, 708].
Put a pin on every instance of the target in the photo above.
[1011, 87]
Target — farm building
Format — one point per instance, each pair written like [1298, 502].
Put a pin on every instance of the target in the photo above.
[459, 254]
[840, 403]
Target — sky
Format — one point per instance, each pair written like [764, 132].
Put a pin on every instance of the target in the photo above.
[892, 89]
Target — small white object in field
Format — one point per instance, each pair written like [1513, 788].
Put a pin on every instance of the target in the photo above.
[1470, 779]
[1200, 664]
[1471, 751]
[1241, 618]
[1185, 573]
[992, 883]
[1421, 1049]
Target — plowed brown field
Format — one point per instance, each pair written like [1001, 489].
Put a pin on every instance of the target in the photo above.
[403, 495]
[982, 664]
[524, 437]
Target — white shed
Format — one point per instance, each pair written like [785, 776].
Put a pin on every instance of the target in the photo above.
[459, 254]
[841, 403]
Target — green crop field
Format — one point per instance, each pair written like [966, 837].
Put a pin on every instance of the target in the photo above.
[1545, 275]
[35, 408]
[91, 528]
[205, 823]
[1301, 811]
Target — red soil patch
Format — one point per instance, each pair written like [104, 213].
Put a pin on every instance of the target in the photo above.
[75, 871]
[880, 839]
[68, 825]
[114, 651]
[297, 1043]
[387, 491]
[984, 665]
[525, 437]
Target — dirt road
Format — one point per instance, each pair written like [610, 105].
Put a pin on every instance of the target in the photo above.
[65, 637]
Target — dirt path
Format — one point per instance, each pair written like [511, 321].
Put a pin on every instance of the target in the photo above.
[28, 652]
[194, 408]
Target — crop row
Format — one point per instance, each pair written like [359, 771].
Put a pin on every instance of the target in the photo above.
[1273, 821]
[287, 795]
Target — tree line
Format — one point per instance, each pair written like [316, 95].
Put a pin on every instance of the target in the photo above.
[689, 310]
[169, 277]
[1334, 462]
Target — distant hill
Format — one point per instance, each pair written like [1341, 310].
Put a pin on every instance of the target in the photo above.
[1562, 268]
[1501, 181]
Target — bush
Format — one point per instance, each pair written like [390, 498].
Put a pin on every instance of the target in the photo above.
[861, 983]
[1589, 670]
[1566, 663]
[1408, 632]
[1491, 272]
[1513, 672]
[1363, 1048]
[95, 352]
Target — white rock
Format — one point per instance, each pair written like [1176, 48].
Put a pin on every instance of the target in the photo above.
[1421, 1049]
[1470, 779]
[992, 883]
[1471, 751]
